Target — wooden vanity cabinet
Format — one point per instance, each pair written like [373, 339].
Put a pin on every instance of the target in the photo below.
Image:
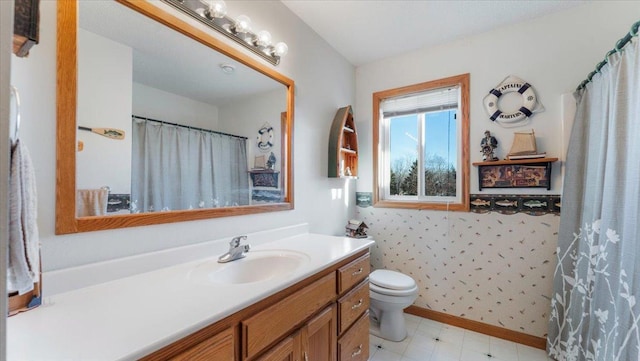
[319, 336]
[352, 305]
[323, 318]
[219, 347]
[287, 350]
[353, 310]
[354, 344]
[282, 318]
[315, 341]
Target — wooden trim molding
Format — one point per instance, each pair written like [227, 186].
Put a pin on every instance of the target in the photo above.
[484, 328]
[462, 81]
[66, 220]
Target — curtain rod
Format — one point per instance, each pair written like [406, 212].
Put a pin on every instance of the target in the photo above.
[619, 45]
[186, 126]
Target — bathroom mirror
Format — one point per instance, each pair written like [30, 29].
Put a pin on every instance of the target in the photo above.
[122, 63]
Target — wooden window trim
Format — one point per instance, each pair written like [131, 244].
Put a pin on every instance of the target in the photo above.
[458, 80]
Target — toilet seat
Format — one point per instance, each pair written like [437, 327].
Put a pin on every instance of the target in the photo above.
[391, 279]
[392, 283]
[389, 292]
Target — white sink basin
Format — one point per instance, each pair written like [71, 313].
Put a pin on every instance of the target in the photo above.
[257, 266]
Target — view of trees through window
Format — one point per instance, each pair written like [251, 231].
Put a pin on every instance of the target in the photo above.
[421, 157]
[438, 154]
[439, 178]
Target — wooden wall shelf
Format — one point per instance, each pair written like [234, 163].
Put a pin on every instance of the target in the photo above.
[26, 26]
[343, 145]
[516, 162]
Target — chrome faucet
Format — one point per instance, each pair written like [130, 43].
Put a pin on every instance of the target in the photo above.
[236, 250]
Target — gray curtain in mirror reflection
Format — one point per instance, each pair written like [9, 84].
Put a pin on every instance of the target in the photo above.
[178, 168]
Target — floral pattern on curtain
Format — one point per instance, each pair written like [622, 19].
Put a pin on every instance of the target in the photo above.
[612, 332]
[594, 311]
[175, 168]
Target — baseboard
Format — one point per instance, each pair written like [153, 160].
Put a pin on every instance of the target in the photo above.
[484, 328]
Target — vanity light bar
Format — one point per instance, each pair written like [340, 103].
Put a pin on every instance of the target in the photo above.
[235, 29]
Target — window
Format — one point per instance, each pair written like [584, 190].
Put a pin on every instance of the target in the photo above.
[421, 145]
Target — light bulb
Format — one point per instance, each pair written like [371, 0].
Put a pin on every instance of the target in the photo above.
[218, 9]
[280, 49]
[263, 38]
[204, 12]
[243, 24]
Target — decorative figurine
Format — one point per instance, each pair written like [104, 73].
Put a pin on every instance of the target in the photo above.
[488, 144]
[271, 162]
[356, 229]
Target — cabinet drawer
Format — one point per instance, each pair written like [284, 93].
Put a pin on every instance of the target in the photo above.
[219, 347]
[353, 273]
[354, 345]
[352, 305]
[268, 325]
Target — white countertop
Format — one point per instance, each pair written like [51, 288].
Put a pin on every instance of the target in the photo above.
[131, 317]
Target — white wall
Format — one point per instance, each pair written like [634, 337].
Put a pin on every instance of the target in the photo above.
[158, 104]
[324, 82]
[246, 116]
[491, 268]
[104, 101]
[554, 54]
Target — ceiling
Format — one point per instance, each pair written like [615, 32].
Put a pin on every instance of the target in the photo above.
[364, 31]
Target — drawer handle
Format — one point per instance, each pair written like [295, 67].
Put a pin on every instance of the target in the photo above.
[306, 358]
[357, 272]
[357, 305]
[357, 352]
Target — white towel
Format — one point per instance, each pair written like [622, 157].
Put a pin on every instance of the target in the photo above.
[92, 202]
[24, 240]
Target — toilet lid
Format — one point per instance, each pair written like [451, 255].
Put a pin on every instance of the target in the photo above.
[391, 280]
[375, 290]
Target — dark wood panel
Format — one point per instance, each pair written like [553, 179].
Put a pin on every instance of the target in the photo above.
[26, 26]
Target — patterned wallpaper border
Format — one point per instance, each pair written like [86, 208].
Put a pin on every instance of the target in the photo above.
[534, 205]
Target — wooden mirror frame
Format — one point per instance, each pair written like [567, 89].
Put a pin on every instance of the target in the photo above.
[66, 220]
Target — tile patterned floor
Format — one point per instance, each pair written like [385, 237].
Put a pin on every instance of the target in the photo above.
[433, 341]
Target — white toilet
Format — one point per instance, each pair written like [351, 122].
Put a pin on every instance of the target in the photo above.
[391, 292]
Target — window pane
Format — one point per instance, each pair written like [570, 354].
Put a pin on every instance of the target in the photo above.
[403, 155]
[440, 155]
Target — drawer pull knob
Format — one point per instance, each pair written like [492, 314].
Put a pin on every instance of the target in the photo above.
[357, 272]
[357, 352]
[357, 305]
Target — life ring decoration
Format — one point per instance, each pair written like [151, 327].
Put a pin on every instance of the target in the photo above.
[265, 137]
[530, 103]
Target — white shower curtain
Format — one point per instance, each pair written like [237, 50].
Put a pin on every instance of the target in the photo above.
[177, 168]
[595, 315]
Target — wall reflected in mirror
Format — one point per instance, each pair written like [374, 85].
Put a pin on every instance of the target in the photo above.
[201, 130]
